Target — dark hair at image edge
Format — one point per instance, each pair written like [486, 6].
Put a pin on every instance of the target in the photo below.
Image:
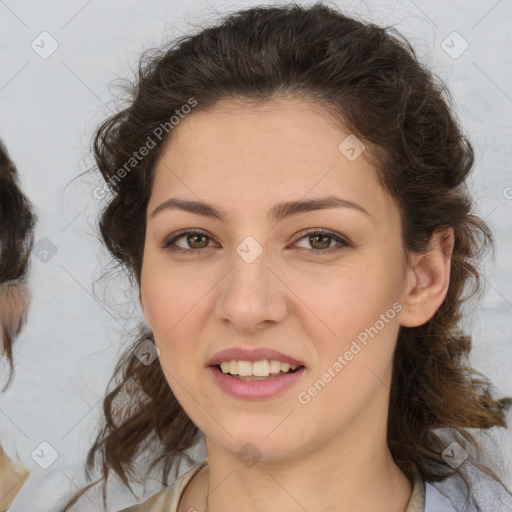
[17, 222]
[370, 83]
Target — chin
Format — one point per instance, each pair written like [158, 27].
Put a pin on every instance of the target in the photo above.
[253, 442]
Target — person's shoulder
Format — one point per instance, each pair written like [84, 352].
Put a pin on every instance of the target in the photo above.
[452, 496]
[167, 499]
[437, 501]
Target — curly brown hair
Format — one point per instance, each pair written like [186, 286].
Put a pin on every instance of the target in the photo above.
[370, 81]
[17, 222]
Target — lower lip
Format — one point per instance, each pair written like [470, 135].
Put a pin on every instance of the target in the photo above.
[255, 389]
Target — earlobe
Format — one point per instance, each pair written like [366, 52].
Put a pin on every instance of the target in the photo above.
[428, 278]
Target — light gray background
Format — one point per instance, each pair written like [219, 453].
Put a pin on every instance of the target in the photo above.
[49, 108]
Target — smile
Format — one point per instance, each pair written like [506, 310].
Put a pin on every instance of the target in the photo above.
[251, 386]
[248, 370]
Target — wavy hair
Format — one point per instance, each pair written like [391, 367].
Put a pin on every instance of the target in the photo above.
[369, 81]
[17, 222]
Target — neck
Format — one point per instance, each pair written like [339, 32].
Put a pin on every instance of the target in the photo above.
[350, 481]
[344, 466]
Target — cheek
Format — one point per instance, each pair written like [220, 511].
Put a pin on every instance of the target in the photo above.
[355, 317]
[171, 303]
[168, 295]
[349, 300]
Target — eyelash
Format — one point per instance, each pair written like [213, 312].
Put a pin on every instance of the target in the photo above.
[167, 245]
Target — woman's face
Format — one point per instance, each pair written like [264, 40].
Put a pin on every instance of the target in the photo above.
[253, 280]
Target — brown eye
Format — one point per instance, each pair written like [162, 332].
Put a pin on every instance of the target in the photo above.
[325, 241]
[321, 240]
[194, 241]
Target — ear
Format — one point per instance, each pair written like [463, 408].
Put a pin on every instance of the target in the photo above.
[428, 277]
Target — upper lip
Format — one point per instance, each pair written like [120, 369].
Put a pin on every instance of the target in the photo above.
[254, 354]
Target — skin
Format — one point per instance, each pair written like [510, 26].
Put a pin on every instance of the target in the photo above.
[330, 453]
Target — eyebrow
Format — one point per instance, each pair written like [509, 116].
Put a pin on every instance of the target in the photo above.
[277, 213]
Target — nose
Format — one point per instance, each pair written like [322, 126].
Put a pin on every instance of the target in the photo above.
[252, 295]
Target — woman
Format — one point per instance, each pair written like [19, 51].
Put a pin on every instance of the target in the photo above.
[288, 191]
[16, 238]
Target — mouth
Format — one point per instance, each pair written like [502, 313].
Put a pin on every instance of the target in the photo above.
[255, 387]
[258, 374]
[274, 371]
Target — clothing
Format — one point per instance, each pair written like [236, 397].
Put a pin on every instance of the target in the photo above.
[446, 496]
[168, 499]
[12, 477]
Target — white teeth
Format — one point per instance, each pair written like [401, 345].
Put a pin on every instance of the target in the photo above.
[225, 366]
[261, 368]
[275, 366]
[285, 367]
[244, 368]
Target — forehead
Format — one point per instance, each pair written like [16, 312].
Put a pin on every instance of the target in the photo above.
[263, 154]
